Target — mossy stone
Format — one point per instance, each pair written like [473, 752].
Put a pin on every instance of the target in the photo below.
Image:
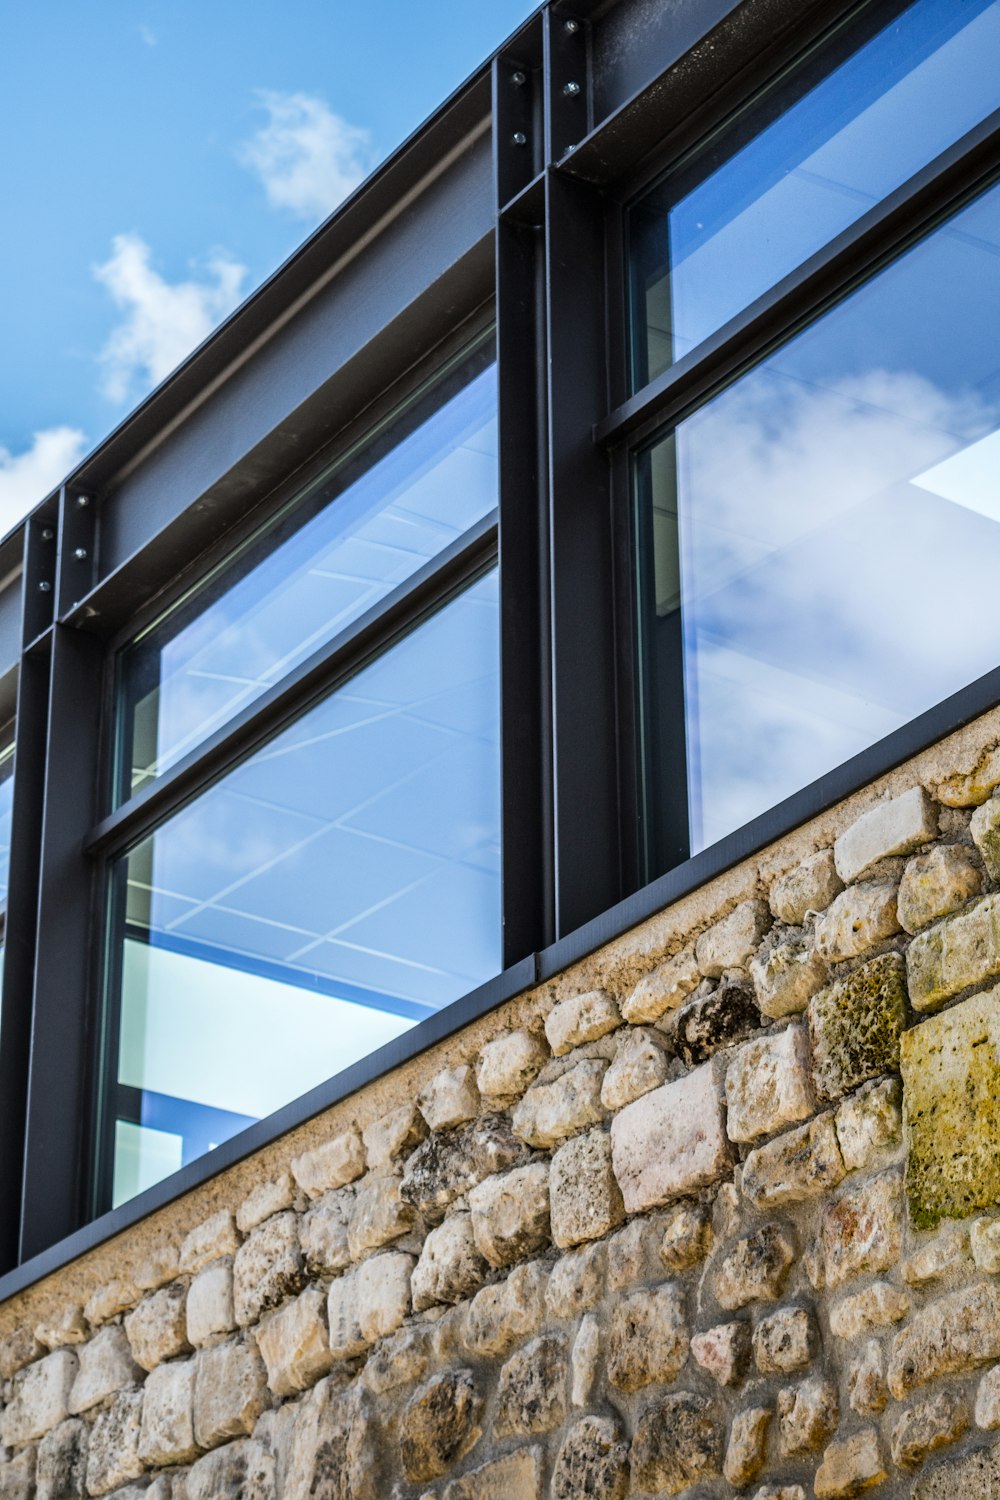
[855, 1026]
[951, 1111]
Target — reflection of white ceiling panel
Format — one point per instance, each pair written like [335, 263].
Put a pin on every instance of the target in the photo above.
[970, 478]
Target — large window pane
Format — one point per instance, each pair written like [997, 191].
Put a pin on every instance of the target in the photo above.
[835, 514]
[360, 530]
[729, 224]
[329, 893]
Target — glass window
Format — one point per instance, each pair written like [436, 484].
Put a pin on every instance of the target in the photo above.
[327, 894]
[819, 544]
[802, 164]
[365, 526]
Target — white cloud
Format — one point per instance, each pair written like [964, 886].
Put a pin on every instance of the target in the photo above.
[148, 36]
[162, 322]
[26, 478]
[308, 158]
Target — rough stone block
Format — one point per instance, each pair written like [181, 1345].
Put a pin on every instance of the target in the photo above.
[862, 1230]
[401, 1359]
[985, 830]
[585, 1361]
[323, 1233]
[935, 884]
[850, 1465]
[157, 1329]
[984, 1242]
[451, 1162]
[808, 1415]
[531, 1390]
[393, 1135]
[380, 1215]
[787, 1340]
[647, 1337]
[934, 1423]
[166, 1432]
[109, 1300]
[510, 1214]
[747, 1443]
[230, 1392]
[209, 1309]
[506, 1314]
[220, 1475]
[954, 955]
[514, 1476]
[113, 1453]
[972, 787]
[585, 1199]
[330, 1166]
[957, 1332]
[723, 1351]
[61, 1468]
[577, 1281]
[947, 1252]
[214, 1238]
[857, 920]
[867, 1391]
[687, 1237]
[266, 1199]
[974, 1476]
[786, 976]
[267, 1268]
[664, 988]
[677, 1443]
[711, 1022]
[895, 825]
[17, 1349]
[17, 1477]
[294, 1343]
[40, 1400]
[878, 1306]
[806, 888]
[508, 1065]
[593, 1460]
[67, 1327]
[583, 1018]
[870, 1123]
[755, 1269]
[640, 1064]
[369, 1303]
[440, 1424]
[160, 1265]
[803, 1163]
[987, 1412]
[671, 1142]
[731, 943]
[951, 1108]
[333, 1451]
[106, 1367]
[450, 1098]
[552, 1112]
[767, 1085]
[450, 1267]
[855, 1026]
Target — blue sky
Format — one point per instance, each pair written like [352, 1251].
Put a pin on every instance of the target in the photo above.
[158, 159]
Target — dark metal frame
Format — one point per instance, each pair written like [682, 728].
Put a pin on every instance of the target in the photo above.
[508, 204]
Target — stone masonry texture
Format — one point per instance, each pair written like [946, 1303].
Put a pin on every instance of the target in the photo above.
[715, 1214]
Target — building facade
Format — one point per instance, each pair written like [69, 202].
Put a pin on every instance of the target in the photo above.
[501, 942]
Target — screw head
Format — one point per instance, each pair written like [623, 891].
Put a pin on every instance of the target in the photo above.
[80, 553]
[519, 79]
[45, 587]
[47, 533]
[82, 501]
[519, 138]
[571, 90]
[571, 27]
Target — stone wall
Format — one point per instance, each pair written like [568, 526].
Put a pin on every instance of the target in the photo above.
[717, 1212]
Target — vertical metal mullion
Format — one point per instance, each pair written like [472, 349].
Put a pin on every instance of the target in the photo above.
[587, 833]
[55, 1168]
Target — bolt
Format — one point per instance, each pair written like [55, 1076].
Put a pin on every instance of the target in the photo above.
[518, 79]
[47, 533]
[80, 553]
[82, 501]
[519, 138]
[44, 587]
[571, 27]
[571, 90]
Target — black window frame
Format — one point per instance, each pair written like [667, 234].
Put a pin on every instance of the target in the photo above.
[508, 206]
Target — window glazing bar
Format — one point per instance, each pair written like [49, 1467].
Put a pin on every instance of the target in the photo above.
[370, 633]
[904, 215]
